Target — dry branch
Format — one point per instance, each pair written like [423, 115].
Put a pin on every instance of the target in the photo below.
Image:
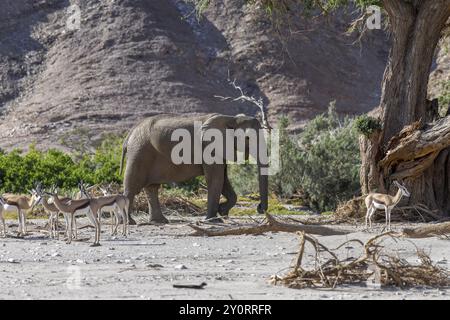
[439, 229]
[244, 97]
[271, 225]
[373, 262]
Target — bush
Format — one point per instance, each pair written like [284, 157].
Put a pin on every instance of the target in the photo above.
[19, 172]
[329, 161]
[367, 125]
[322, 163]
[244, 178]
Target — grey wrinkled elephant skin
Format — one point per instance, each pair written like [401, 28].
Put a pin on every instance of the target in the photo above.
[148, 148]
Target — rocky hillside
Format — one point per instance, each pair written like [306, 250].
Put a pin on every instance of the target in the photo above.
[61, 86]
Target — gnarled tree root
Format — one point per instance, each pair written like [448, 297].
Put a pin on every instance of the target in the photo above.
[271, 225]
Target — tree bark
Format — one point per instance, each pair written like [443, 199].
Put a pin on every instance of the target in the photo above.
[416, 27]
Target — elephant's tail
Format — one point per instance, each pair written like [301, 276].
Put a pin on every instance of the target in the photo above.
[124, 152]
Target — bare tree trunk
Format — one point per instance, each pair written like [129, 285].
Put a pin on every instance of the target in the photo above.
[416, 27]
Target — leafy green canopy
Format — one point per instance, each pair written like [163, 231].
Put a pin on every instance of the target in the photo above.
[284, 7]
[20, 171]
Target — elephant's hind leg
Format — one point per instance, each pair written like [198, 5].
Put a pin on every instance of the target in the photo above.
[156, 215]
[130, 196]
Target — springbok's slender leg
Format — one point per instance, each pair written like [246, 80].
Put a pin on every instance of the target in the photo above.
[115, 221]
[19, 218]
[4, 225]
[367, 216]
[57, 225]
[117, 214]
[69, 228]
[66, 219]
[125, 221]
[24, 222]
[76, 227]
[386, 210]
[389, 219]
[51, 224]
[93, 218]
[112, 223]
[99, 223]
[373, 209]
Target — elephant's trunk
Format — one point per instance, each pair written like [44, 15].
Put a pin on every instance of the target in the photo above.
[263, 190]
[263, 173]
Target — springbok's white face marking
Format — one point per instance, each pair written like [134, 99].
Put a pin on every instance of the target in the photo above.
[403, 189]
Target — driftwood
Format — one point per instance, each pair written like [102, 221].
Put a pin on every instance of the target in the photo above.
[374, 267]
[439, 229]
[271, 225]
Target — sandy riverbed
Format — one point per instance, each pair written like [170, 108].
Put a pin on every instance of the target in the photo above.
[152, 259]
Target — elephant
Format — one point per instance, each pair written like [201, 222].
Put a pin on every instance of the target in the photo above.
[147, 150]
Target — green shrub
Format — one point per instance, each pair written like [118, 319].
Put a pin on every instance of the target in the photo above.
[322, 163]
[244, 178]
[367, 125]
[288, 180]
[329, 161]
[20, 171]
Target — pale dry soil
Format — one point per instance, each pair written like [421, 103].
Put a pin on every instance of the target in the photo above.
[152, 259]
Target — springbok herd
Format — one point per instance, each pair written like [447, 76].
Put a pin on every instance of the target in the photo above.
[118, 205]
[82, 204]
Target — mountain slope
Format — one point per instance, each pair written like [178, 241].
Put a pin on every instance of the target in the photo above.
[134, 58]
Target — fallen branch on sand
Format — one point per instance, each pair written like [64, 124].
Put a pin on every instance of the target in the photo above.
[271, 225]
[373, 266]
[432, 230]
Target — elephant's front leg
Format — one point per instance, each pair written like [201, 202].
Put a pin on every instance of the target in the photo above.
[214, 175]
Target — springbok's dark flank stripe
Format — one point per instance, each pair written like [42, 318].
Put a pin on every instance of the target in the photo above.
[110, 203]
[83, 205]
[12, 203]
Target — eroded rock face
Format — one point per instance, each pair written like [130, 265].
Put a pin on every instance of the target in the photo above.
[134, 58]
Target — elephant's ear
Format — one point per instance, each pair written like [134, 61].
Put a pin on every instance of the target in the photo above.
[244, 121]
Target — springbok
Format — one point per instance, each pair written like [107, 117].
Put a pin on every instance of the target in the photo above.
[6, 208]
[77, 207]
[53, 213]
[20, 204]
[376, 201]
[117, 204]
[80, 195]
